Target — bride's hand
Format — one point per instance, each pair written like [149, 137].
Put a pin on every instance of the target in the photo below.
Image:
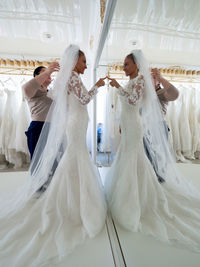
[114, 83]
[100, 82]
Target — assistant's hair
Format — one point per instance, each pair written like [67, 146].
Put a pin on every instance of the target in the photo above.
[38, 70]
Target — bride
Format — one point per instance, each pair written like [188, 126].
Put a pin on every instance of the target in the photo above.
[36, 230]
[170, 211]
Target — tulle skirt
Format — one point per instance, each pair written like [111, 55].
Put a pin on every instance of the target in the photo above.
[49, 227]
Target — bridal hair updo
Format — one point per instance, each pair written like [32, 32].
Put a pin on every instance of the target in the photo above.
[131, 56]
[80, 53]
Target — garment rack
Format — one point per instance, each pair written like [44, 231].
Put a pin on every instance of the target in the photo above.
[173, 74]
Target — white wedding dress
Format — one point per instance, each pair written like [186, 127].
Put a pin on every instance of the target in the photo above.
[193, 120]
[137, 201]
[8, 129]
[22, 124]
[198, 119]
[3, 163]
[71, 209]
[173, 113]
[184, 126]
[2, 106]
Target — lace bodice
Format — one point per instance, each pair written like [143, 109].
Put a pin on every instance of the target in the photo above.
[133, 90]
[76, 86]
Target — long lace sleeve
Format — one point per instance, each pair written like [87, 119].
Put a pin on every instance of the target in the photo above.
[134, 92]
[76, 86]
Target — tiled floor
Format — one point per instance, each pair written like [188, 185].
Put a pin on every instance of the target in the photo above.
[136, 250]
[144, 251]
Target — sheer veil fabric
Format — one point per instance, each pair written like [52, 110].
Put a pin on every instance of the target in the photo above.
[34, 231]
[152, 120]
[170, 211]
[51, 138]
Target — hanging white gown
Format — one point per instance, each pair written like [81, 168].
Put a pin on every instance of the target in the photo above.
[111, 133]
[71, 209]
[193, 121]
[8, 127]
[184, 127]
[106, 144]
[174, 117]
[2, 107]
[115, 126]
[137, 201]
[198, 119]
[2, 104]
[23, 121]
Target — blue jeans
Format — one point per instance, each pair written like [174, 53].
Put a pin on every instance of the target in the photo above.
[33, 134]
[153, 157]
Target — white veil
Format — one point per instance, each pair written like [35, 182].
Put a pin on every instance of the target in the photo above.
[52, 141]
[155, 128]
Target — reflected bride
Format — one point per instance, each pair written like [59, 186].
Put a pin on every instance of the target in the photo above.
[170, 211]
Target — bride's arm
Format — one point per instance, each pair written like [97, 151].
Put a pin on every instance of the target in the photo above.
[79, 90]
[136, 92]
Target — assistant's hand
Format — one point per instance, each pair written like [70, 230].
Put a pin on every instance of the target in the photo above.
[44, 78]
[54, 66]
[156, 74]
[156, 77]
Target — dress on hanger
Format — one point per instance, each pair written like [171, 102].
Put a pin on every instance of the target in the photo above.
[184, 127]
[193, 121]
[3, 97]
[23, 121]
[8, 128]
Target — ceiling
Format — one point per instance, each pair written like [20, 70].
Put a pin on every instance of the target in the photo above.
[168, 31]
[47, 27]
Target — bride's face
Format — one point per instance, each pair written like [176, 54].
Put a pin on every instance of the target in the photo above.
[81, 64]
[130, 67]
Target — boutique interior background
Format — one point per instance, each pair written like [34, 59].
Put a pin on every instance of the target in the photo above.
[36, 32]
[168, 34]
